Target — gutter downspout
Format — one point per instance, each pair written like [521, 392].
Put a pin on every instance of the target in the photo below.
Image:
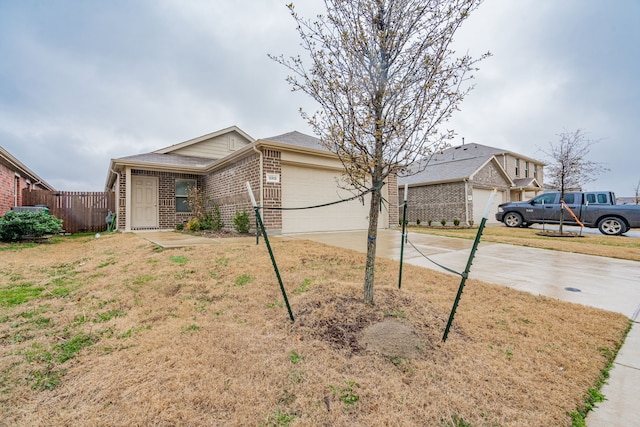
[261, 175]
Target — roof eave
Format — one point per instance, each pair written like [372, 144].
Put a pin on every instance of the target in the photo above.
[25, 170]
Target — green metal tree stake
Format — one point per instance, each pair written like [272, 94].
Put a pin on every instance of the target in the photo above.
[273, 260]
[404, 225]
[465, 274]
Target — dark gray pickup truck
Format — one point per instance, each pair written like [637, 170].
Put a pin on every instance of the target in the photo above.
[593, 209]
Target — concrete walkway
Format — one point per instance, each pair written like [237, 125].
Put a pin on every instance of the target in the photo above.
[171, 239]
[606, 283]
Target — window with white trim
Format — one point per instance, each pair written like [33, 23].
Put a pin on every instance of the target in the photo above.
[182, 192]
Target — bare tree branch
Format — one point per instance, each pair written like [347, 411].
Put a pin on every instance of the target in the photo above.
[386, 78]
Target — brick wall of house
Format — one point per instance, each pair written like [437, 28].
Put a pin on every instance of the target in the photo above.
[121, 201]
[392, 197]
[490, 177]
[168, 218]
[435, 202]
[226, 188]
[272, 190]
[7, 198]
[8, 181]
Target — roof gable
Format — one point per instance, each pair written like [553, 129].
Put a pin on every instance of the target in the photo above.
[451, 171]
[214, 145]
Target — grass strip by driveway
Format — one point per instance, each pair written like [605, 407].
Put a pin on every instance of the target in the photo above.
[141, 339]
[620, 247]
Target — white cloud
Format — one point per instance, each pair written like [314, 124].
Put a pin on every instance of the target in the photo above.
[81, 83]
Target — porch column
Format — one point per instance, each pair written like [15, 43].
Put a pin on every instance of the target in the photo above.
[127, 199]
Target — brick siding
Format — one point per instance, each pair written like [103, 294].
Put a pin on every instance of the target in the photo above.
[7, 187]
[435, 202]
[168, 218]
[7, 198]
[226, 188]
[392, 196]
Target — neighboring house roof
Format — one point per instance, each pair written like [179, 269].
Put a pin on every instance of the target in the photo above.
[451, 171]
[17, 166]
[466, 151]
[526, 183]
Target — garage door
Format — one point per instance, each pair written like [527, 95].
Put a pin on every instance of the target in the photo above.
[480, 200]
[306, 186]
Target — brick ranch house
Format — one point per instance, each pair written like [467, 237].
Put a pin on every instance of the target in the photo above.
[457, 183]
[286, 171]
[15, 177]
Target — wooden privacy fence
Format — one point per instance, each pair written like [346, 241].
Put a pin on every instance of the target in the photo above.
[79, 211]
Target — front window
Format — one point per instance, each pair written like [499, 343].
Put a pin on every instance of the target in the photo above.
[535, 171]
[526, 169]
[517, 167]
[182, 190]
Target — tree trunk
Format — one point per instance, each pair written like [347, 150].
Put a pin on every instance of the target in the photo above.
[372, 235]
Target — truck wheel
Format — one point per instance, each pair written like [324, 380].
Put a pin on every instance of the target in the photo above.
[612, 226]
[512, 219]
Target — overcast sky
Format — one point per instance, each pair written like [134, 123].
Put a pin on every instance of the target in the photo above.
[84, 81]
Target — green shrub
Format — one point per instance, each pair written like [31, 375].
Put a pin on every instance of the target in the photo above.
[15, 225]
[214, 219]
[443, 222]
[456, 221]
[241, 221]
[418, 221]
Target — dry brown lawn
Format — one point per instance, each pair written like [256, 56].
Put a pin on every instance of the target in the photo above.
[117, 332]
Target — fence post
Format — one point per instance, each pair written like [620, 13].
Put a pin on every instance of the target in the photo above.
[465, 274]
[266, 241]
[404, 225]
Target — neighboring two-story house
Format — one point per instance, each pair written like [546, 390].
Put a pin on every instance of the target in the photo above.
[457, 183]
[14, 177]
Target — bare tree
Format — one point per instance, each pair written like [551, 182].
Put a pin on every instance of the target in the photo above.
[569, 169]
[637, 190]
[385, 77]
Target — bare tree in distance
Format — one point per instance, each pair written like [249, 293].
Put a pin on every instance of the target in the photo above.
[386, 78]
[637, 191]
[568, 168]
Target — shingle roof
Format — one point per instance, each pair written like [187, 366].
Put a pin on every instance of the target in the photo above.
[445, 171]
[299, 139]
[465, 151]
[525, 182]
[169, 160]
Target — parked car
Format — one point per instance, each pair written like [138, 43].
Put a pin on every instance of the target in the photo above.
[591, 209]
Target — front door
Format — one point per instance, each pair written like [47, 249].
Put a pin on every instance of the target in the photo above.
[144, 203]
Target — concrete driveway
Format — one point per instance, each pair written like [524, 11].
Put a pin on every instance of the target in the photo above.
[606, 283]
